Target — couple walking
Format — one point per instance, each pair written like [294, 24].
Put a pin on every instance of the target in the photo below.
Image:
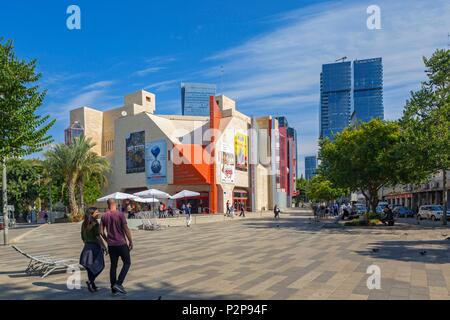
[113, 230]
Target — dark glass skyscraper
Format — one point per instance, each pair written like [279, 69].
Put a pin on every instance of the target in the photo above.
[310, 167]
[195, 98]
[350, 91]
[335, 98]
[368, 89]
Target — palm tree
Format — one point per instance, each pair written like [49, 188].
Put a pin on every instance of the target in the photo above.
[61, 164]
[74, 164]
[91, 166]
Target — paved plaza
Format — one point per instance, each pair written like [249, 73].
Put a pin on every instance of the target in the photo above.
[251, 258]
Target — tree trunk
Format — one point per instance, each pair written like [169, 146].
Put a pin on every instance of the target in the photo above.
[444, 196]
[73, 207]
[81, 193]
[5, 204]
[373, 195]
[50, 200]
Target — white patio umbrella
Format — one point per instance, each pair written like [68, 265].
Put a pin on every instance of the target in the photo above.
[117, 196]
[184, 194]
[145, 200]
[153, 193]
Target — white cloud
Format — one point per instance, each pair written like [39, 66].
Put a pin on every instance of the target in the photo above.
[148, 70]
[154, 65]
[99, 85]
[159, 60]
[163, 85]
[279, 71]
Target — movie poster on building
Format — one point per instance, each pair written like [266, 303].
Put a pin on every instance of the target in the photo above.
[241, 151]
[156, 162]
[135, 152]
[227, 165]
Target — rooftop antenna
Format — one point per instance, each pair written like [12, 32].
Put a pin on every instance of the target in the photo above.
[448, 40]
[342, 59]
[221, 79]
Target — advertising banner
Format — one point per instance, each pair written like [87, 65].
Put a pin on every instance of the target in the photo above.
[227, 167]
[135, 152]
[227, 164]
[156, 162]
[241, 151]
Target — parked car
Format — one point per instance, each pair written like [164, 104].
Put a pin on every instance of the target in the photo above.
[379, 209]
[401, 211]
[381, 206]
[1, 223]
[433, 212]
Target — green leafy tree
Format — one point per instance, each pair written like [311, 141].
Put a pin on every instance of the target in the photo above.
[426, 122]
[320, 189]
[92, 190]
[364, 158]
[24, 187]
[301, 185]
[22, 130]
[75, 164]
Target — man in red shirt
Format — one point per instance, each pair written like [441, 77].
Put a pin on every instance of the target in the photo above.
[115, 230]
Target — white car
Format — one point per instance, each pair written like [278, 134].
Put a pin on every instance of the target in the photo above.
[433, 212]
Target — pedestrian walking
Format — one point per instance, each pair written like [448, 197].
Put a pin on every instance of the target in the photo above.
[91, 257]
[161, 210]
[242, 214]
[228, 208]
[188, 212]
[335, 209]
[115, 230]
[276, 211]
[129, 210]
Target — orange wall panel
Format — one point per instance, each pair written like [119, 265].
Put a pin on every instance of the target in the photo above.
[192, 167]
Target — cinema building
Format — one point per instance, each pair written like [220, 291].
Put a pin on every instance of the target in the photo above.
[226, 156]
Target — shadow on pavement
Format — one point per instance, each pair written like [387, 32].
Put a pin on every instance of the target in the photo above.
[47, 290]
[307, 225]
[426, 251]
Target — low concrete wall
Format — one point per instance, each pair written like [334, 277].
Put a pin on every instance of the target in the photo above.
[197, 219]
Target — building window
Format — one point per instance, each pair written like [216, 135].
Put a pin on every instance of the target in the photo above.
[109, 145]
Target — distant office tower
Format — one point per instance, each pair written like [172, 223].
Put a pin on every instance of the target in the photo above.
[368, 90]
[195, 98]
[335, 98]
[310, 167]
[74, 131]
[350, 92]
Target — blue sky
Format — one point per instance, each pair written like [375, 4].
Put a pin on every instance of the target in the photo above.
[271, 51]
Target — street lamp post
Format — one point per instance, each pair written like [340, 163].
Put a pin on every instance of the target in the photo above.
[5, 205]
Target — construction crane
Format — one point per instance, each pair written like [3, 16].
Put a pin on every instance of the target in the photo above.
[341, 59]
